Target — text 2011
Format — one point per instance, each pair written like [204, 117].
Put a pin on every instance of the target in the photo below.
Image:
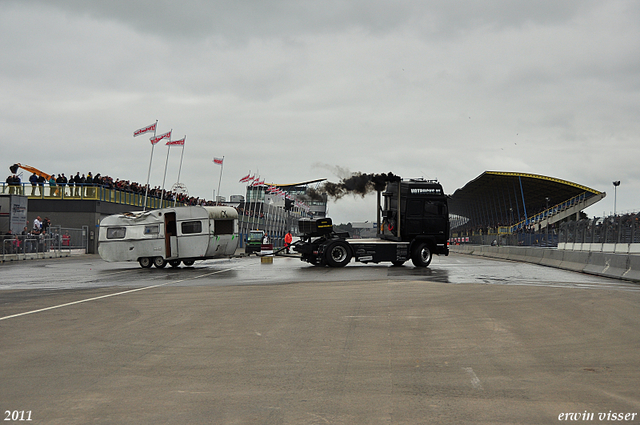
[17, 415]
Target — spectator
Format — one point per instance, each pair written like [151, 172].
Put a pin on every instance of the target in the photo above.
[53, 186]
[76, 182]
[34, 183]
[37, 224]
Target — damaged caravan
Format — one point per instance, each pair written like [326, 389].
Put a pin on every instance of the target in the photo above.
[169, 235]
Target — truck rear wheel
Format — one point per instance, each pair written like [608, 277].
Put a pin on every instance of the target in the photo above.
[174, 263]
[338, 254]
[421, 255]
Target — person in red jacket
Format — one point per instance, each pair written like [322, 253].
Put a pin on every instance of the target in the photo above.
[287, 241]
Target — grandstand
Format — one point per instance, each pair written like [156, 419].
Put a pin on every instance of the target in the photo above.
[505, 203]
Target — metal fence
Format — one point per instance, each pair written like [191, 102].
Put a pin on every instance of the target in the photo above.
[614, 229]
[29, 244]
[57, 239]
[515, 239]
[68, 238]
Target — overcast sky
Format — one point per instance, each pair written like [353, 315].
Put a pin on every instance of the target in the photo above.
[299, 90]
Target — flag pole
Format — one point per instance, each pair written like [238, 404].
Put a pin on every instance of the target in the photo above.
[219, 179]
[164, 178]
[146, 193]
[255, 206]
[180, 168]
[181, 156]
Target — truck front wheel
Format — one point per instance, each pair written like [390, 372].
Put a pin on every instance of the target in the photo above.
[338, 254]
[421, 255]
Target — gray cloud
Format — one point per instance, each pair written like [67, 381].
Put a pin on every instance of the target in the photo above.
[433, 89]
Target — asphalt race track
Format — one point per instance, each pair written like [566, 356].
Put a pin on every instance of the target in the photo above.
[466, 341]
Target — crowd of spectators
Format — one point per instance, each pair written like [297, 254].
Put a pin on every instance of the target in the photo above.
[76, 184]
[36, 239]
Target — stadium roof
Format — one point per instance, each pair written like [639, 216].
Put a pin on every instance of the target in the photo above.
[501, 198]
[298, 184]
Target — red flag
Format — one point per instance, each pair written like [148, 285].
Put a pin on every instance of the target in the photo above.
[177, 142]
[146, 129]
[245, 178]
[155, 140]
[218, 160]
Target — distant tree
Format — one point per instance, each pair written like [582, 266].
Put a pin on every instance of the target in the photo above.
[343, 227]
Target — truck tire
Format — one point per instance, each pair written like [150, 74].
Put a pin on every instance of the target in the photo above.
[145, 262]
[188, 263]
[159, 262]
[174, 263]
[397, 263]
[338, 254]
[421, 254]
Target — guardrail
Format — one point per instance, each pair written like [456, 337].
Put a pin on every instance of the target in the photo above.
[624, 266]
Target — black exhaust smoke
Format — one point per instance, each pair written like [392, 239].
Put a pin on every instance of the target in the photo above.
[357, 184]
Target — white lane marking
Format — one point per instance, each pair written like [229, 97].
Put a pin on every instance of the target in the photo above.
[475, 381]
[116, 294]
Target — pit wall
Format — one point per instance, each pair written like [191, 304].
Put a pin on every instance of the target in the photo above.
[615, 265]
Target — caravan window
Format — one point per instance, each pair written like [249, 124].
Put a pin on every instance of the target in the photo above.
[116, 232]
[223, 227]
[191, 227]
[152, 230]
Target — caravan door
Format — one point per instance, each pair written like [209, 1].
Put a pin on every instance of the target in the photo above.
[170, 236]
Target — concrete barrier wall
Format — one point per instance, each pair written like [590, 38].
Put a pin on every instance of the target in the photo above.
[38, 255]
[607, 264]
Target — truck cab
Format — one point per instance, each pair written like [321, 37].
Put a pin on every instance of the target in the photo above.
[253, 242]
[423, 212]
[413, 224]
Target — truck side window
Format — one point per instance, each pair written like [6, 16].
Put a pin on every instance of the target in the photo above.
[116, 232]
[432, 208]
[191, 227]
[414, 207]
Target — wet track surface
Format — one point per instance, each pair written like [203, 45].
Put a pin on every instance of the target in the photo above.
[91, 272]
[468, 340]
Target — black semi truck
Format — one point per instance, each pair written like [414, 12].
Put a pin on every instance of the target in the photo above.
[412, 224]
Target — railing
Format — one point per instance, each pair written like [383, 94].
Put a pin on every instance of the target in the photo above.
[85, 192]
[546, 213]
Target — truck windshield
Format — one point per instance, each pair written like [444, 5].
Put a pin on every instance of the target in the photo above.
[255, 236]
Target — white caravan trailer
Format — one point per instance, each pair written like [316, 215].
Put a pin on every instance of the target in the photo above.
[169, 235]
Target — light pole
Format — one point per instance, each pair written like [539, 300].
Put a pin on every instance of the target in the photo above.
[546, 213]
[615, 195]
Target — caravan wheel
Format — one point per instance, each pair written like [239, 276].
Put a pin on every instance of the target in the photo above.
[159, 262]
[145, 262]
